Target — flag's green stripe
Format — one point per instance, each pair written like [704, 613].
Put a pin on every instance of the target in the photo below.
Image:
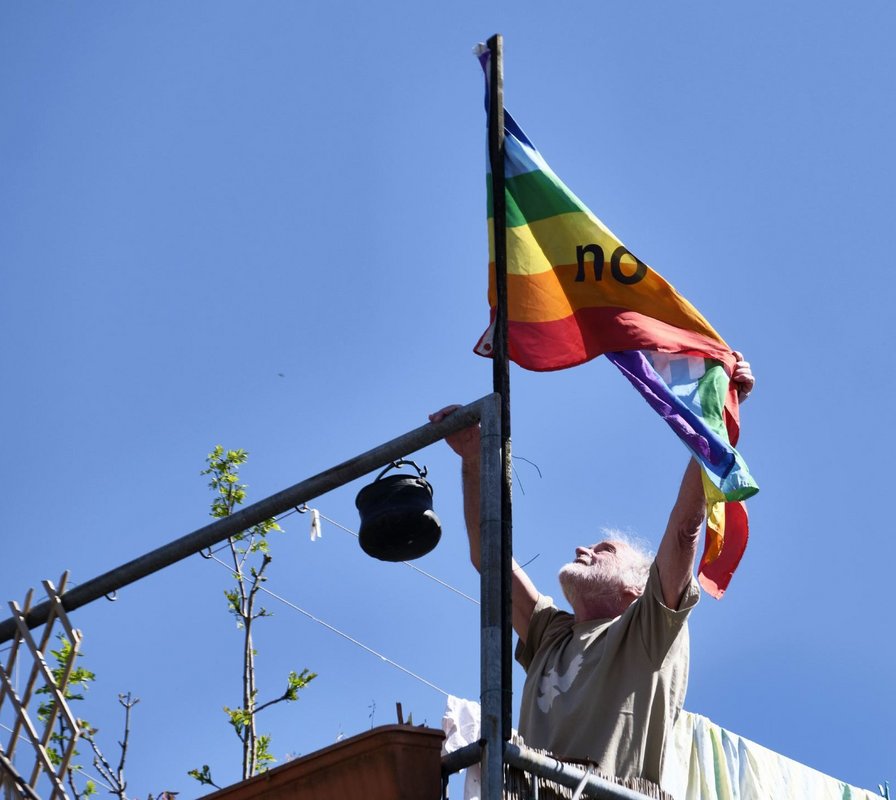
[711, 390]
[534, 196]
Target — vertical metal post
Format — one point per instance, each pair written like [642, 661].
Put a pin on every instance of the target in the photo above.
[490, 570]
[501, 364]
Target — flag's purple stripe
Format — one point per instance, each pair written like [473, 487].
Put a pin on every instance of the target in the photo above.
[690, 428]
[484, 58]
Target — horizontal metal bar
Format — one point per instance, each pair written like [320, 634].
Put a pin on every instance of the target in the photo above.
[251, 515]
[544, 766]
[462, 758]
[567, 775]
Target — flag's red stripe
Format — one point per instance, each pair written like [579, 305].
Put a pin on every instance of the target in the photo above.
[715, 576]
[590, 332]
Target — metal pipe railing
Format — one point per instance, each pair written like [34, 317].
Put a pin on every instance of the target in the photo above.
[544, 766]
[462, 758]
[572, 777]
[278, 503]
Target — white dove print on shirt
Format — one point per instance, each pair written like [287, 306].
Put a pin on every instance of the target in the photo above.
[553, 683]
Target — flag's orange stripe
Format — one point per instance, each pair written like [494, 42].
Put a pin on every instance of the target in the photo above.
[555, 295]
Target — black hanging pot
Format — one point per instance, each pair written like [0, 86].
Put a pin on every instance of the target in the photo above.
[397, 520]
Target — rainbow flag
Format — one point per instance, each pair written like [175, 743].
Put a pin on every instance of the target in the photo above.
[575, 292]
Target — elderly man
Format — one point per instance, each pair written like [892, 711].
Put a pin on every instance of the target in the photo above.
[605, 683]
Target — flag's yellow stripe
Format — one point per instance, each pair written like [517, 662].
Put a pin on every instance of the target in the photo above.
[539, 246]
[715, 519]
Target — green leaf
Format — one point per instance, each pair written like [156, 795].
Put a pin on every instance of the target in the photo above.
[204, 775]
[263, 757]
[239, 718]
[297, 681]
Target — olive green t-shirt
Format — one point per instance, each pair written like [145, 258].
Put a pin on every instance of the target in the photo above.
[607, 690]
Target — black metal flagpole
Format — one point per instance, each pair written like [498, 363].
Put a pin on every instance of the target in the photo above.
[501, 365]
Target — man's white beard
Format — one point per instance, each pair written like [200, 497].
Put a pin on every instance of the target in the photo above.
[590, 582]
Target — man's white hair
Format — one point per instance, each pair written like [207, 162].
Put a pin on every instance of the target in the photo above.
[637, 568]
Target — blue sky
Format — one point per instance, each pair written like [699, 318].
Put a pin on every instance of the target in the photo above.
[263, 225]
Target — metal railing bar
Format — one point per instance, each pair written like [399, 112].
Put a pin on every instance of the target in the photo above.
[462, 758]
[226, 527]
[567, 775]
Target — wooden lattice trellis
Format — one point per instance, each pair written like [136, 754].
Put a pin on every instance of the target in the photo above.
[22, 769]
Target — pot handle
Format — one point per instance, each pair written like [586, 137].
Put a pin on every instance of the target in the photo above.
[400, 463]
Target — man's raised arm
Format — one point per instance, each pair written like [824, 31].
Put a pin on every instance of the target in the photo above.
[466, 444]
[678, 549]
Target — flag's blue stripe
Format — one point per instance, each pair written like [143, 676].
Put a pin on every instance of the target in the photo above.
[519, 158]
[721, 461]
[681, 375]
[511, 128]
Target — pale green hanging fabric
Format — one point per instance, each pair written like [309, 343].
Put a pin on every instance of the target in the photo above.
[706, 762]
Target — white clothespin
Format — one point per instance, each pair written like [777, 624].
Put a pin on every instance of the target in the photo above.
[315, 525]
